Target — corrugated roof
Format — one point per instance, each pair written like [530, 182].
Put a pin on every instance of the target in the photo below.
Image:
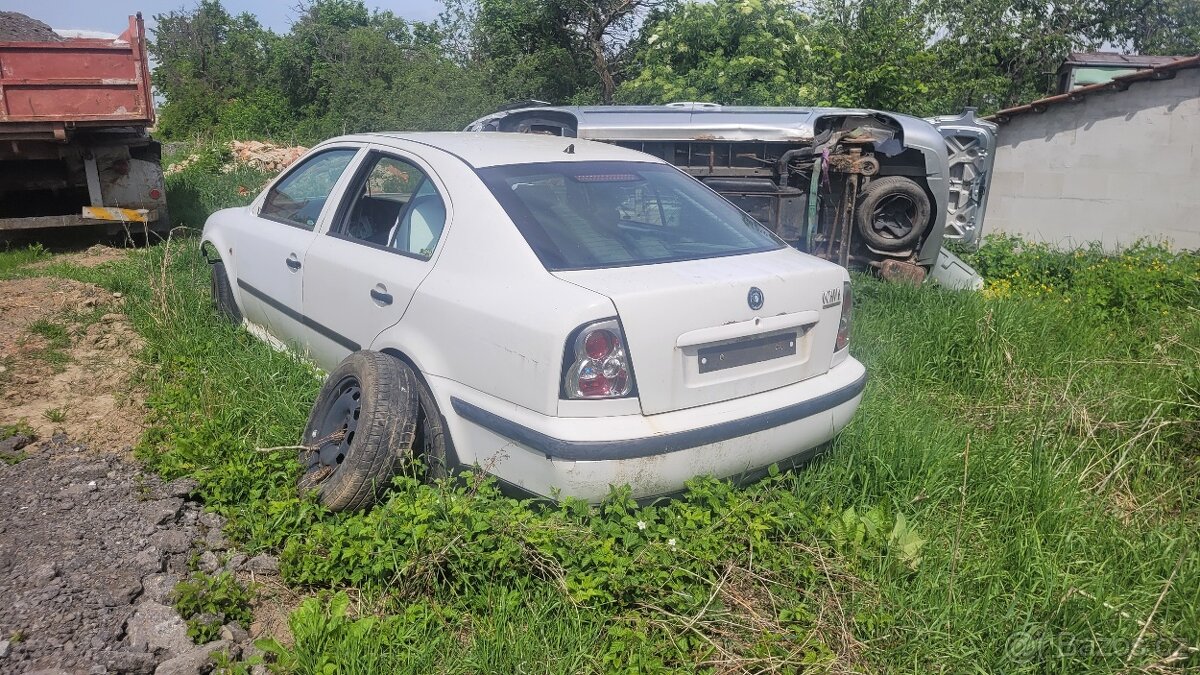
[1116, 59]
[1163, 71]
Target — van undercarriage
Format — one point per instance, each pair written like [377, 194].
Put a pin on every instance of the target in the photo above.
[866, 189]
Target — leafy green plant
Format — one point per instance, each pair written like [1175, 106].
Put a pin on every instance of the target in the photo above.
[1142, 279]
[18, 428]
[56, 415]
[208, 602]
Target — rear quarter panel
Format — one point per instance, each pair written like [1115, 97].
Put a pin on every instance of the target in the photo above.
[489, 315]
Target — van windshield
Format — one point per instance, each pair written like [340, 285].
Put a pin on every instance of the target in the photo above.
[589, 215]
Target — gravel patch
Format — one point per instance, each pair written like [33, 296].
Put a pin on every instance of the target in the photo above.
[90, 550]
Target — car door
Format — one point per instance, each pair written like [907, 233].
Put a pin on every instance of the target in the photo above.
[361, 274]
[271, 241]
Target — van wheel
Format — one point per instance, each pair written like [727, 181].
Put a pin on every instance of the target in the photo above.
[222, 294]
[893, 213]
[360, 431]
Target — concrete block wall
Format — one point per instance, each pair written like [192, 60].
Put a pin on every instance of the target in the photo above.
[1114, 167]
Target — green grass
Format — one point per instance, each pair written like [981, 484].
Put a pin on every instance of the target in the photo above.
[1016, 494]
[57, 340]
[13, 258]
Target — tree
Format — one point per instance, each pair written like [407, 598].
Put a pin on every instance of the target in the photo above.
[856, 53]
[749, 52]
[525, 46]
[1169, 27]
[343, 67]
[204, 59]
[871, 53]
[994, 55]
[605, 26]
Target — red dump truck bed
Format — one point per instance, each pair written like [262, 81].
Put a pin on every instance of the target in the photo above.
[75, 148]
[47, 89]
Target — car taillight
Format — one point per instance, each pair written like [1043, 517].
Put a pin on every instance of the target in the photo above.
[843, 335]
[597, 364]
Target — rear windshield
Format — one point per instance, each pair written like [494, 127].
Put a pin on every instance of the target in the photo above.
[588, 215]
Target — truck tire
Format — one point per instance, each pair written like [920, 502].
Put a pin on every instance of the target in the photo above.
[222, 294]
[360, 430]
[893, 213]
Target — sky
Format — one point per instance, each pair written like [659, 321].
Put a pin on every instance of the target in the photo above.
[110, 15]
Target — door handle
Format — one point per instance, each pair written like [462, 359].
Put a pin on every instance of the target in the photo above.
[382, 299]
[293, 263]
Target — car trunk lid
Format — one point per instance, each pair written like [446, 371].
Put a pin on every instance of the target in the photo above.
[694, 337]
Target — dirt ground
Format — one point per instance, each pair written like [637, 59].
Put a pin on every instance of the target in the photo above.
[90, 547]
[78, 388]
[91, 257]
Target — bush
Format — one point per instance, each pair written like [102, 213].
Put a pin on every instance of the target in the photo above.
[262, 113]
[1142, 279]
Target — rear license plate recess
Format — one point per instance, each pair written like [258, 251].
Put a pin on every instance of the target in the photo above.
[744, 352]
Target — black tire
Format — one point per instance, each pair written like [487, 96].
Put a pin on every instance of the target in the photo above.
[360, 431]
[432, 438]
[893, 213]
[222, 294]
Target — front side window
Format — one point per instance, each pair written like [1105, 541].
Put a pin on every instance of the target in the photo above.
[588, 215]
[299, 198]
[396, 207]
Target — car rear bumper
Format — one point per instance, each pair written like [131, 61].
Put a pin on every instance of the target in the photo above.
[654, 454]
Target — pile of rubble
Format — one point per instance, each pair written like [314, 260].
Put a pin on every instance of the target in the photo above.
[178, 167]
[263, 156]
[16, 27]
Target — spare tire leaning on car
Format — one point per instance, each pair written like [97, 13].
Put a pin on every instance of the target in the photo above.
[893, 213]
[360, 431]
[372, 417]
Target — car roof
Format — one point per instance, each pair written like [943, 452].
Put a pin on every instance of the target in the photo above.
[695, 121]
[497, 149]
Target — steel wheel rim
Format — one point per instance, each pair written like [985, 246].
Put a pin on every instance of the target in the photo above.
[894, 216]
[334, 432]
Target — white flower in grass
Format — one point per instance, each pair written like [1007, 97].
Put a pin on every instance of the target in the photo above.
[671, 542]
[641, 524]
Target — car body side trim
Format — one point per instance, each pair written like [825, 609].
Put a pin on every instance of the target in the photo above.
[633, 448]
[291, 313]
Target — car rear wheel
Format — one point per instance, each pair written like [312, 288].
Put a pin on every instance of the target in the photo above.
[361, 430]
[222, 294]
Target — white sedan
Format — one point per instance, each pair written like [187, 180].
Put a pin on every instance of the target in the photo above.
[567, 315]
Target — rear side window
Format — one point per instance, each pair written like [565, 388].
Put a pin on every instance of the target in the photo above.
[299, 198]
[589, 215]
[396, 206]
